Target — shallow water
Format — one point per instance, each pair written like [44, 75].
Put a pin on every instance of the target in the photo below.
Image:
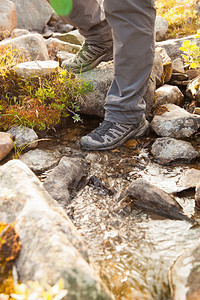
[133, 251]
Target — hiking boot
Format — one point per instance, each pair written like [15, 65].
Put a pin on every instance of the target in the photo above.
[88, 58]
[111, 135]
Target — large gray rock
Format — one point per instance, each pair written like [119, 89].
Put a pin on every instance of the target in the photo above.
[175, 122]
[29, 47]
[168, 94]
[51, 245]
[6, 144]
[185, 276]
[67, 177]
[32, 15]
[166, 150]
[8, 18]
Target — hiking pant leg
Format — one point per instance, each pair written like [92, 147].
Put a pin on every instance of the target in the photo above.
[89, 17]
[132, 22]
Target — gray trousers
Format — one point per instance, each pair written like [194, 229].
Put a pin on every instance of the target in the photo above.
[132, 23]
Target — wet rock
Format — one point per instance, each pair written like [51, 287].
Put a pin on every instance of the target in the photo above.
[167, 64]
[8, 18]
[193, 89]
[172, 46]
[178, 66]
[32, 15]
[142, 194]
[161, 27]
[51, 245]
[72, 37]
[189, 179]
[40, 160]
[23, 136]
[174, 121]
[6, 144]
[166, 150]
[36, 67]
[66, 178]
[168, 94]
[29, 46]
[55, 45]
[19, 32]
[185, 276]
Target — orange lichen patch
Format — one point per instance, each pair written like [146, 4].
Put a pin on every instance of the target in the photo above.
[132, 143]
[160, 110]
[31, 114]
[9, 251]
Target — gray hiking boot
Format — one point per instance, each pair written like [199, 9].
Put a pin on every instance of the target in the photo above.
[111, 135]
[88, 58]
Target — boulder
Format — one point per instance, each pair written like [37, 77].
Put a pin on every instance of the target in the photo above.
[40, 68]
[166, 150]
[173, 121]
[161, 27]
[6, 144]
[51, 245]
[144, 195]
[8, 18]
[23, 136]
[185, 276]
[32, 15]
[27, 47]
[168, 94]
[66, 178]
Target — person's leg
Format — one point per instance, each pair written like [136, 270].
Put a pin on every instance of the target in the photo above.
[88, 16]
[132, 22]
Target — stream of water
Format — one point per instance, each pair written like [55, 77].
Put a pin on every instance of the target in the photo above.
[134, 251]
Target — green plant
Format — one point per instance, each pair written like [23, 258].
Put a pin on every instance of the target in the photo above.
[32, 290]
[18, 150]
[191, 53]
[39, 102]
